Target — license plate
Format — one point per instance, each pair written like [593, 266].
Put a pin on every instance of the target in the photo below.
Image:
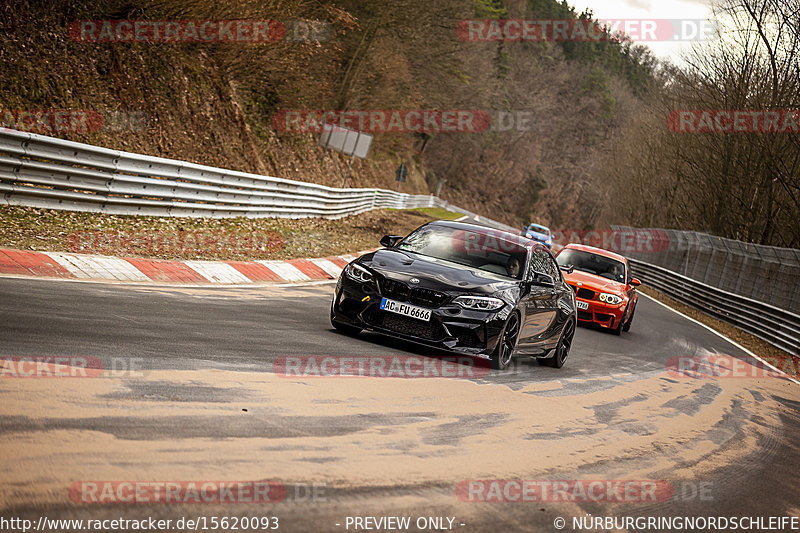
[406, 310]
[583, 306]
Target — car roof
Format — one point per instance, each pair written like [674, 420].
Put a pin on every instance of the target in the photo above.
[598, 251]
[483, 230]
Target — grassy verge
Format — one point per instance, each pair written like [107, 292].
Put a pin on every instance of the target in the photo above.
[775, 356]
[26, 228]
[436, 213]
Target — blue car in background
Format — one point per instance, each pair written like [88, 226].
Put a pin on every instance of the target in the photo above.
[539, 233]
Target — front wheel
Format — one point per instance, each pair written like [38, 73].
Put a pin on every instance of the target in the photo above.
[627, 326]
[558, 358]
[502, 355]
[618, 330]
[344, 328]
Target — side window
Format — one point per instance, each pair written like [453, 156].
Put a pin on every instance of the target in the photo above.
[555, 271]
[542, 262]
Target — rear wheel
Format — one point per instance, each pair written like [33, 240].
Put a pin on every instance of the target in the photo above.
[561, 352]
[501, 357]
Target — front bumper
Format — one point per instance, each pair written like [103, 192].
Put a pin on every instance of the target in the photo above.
[603, 315]
[451, 328]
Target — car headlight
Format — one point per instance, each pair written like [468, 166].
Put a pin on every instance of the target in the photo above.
[358, 273]
[480, 303]
[612, 299]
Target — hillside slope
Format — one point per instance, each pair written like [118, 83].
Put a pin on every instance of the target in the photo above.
[216, 103]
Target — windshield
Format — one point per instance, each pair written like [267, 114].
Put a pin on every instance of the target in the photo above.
[539, 229]
[490, 252]
[593, 264]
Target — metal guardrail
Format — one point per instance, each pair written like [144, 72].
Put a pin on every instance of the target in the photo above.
[765, 273]
[46, 172]
[777, 326]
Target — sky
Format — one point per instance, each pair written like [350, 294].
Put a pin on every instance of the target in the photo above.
[684, 10]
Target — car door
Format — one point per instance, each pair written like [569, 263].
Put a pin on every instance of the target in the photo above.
[540, 303]
[564, 303]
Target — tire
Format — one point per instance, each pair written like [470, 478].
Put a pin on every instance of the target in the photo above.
[627, 326]
[504, 351]
[561, 352]
[618, 330]
[344, 328]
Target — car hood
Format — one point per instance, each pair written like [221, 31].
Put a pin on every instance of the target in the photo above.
[595, 283]
[432, 273]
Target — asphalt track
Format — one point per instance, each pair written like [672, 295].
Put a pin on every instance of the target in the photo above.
[204, 404]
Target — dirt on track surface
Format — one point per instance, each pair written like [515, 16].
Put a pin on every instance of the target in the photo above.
[209, 404]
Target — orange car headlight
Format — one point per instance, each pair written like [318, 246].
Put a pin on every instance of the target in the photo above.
[612, 299]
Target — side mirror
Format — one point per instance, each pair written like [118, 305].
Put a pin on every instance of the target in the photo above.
[567, 269]
[635, 282]
[390, 240]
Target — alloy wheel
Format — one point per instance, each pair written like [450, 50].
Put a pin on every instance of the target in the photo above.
[509, 340]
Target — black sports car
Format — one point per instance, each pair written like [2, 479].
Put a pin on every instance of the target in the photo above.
[462, 288]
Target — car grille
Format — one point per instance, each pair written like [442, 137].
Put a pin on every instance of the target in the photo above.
[585, 315]
[604, 318]
[409, 326]
[394, 290]
[428, 298]
[586, 294]
[397, 290]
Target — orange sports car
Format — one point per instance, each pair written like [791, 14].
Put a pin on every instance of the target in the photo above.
[605, 291]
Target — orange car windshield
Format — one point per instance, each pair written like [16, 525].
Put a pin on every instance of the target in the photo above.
[593, 264]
